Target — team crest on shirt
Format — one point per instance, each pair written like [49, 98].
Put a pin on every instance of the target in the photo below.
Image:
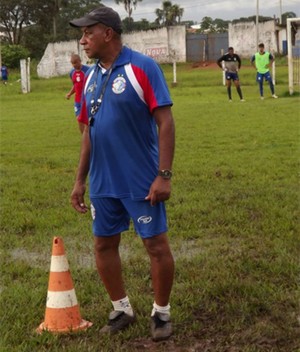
[91, 87]
[119, 85]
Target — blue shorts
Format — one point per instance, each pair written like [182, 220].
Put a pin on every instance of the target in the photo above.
[232, 76]
[111, 216]
[261, 76]
[77, 108]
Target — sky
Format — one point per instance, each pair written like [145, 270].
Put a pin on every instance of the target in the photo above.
[195, 10]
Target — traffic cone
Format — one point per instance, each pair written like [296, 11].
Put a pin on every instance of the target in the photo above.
[62, 310]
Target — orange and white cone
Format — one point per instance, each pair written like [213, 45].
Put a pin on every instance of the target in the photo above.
[62, 310]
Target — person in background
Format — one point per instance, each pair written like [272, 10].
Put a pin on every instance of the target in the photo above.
[232, 63]
[262, 61]
[127, 150]
[4, 74]
[77, 75]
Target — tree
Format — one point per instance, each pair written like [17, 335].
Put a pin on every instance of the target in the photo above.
[220, 25]
[177, 13]
[129, 5]
[12, 54]
[56, 7]
[207, 25]
[253, 19]
[14, 15]
[287, 15]
[129, 25]
[35, 23]
[74, 9]
[169, 15]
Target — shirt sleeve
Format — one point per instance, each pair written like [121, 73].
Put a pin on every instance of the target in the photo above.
[222, 58]
[153, 84]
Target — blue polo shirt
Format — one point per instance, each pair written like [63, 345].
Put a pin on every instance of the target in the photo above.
[123, 135]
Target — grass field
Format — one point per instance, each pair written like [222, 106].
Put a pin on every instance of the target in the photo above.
[233, 216]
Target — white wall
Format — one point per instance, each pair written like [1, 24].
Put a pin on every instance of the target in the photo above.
[164, 45]
[56, 58]
[242, 37]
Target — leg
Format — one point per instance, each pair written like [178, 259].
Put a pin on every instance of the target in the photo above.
[112, 220]
[162, 271]
[261, 88]
[260, 80]
[108, 263]
[269, 79]
[271, 86]
[109, 268]
[238, 88]
[228, 85]
[162, 267]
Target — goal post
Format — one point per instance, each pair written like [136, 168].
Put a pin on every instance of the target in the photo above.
[293, 24]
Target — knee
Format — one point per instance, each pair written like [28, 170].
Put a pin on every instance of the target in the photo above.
[156, 251]
[103, 245]
[158, 248]
[100, 247]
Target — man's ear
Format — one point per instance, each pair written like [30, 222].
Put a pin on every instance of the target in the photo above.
[109, 33]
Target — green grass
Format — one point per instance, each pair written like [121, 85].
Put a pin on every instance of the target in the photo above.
[233, 216]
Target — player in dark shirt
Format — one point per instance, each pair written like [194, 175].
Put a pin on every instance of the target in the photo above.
[231, 63]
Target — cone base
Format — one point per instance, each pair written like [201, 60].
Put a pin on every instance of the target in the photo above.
[84, 324]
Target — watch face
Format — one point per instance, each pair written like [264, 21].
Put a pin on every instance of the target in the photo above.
[167, 174]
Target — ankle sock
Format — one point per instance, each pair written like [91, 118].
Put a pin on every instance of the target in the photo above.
[164, 310]
[123, 305]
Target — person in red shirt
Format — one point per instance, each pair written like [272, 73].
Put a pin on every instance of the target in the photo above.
[77, 75]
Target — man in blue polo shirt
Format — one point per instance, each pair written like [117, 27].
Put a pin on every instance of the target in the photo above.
[127, 149]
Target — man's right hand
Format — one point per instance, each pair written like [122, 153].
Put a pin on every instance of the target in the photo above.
[77, 198]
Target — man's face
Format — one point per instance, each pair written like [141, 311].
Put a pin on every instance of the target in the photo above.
[93, 40]
[76, 63]
[230, 52]
[261, 49]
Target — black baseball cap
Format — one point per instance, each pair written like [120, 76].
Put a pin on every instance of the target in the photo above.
[105, 15]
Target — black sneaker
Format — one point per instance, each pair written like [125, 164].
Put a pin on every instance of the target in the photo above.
[118, 321]
[161, 326]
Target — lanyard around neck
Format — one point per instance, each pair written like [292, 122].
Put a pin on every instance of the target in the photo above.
[95, 107]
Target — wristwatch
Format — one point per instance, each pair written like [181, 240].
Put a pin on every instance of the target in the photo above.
[166, 174]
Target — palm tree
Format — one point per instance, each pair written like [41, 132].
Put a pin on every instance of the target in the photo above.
[129, 5]
[169, 15]
[160, 16]
[177, 13]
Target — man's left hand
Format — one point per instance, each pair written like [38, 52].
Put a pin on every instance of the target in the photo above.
[160, 190]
